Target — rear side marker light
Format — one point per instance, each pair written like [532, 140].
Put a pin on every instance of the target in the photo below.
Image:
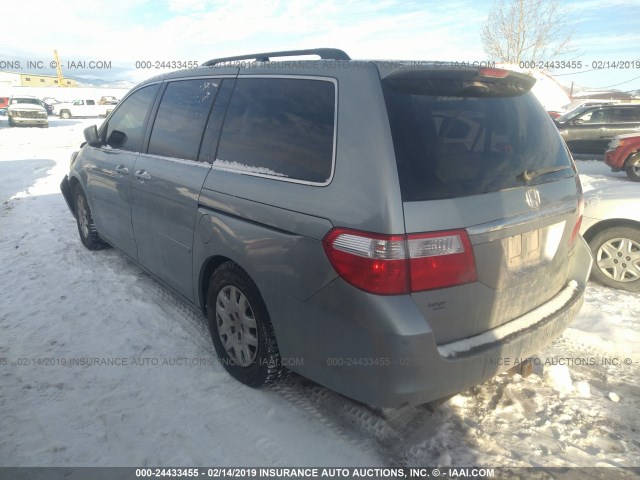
[400, 264]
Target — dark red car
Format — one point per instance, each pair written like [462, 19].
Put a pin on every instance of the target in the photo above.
[623, 153]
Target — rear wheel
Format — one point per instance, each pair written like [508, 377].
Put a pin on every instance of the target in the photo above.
[616, 253]
[241, 329]
[632, 167]
[86, 227]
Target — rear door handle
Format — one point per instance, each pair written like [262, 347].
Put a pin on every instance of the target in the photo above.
[142, 175]
[122, 170]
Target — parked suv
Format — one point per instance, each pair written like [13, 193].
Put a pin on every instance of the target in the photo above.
[25, 110]
[397, 234]
[590, 129]
[623, 153]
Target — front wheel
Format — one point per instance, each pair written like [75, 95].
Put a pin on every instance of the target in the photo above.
[86, 227]
[616, 252]
[65, 114]
[241, 329]
[632, 167]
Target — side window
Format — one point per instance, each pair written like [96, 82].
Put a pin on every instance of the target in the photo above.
[182, 116]
[594, 116]
[281, 128]
[624, 115]
[125, 129]
[78, 102]
[91, 102]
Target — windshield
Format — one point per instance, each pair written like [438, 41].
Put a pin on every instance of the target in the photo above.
[572, 113]
[32, 101]
[453, 146]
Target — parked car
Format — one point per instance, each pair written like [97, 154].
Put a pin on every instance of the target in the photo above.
[82, 108]
[611, 225]
[590, 129]
[26, 110]
[623, 153]
[4, 102]
[108, 100]
[586, 102]
[47, 107]
[390, 232]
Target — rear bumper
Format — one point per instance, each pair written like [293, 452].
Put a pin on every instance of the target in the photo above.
[381, 351]
[65, 188]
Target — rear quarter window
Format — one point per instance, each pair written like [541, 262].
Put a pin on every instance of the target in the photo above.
[281, 128]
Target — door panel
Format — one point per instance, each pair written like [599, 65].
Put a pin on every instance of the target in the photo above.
[109, 169]
[108, 175]
[164, 207]
[168, 179]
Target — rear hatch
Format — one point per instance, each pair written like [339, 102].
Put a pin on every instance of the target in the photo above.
[478, 155]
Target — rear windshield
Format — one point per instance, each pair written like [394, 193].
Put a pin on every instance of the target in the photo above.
[452, 146]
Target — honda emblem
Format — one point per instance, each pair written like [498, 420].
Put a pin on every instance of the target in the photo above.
[533, 198]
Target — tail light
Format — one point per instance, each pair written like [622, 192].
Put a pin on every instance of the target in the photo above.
[400, 264]
[576, 228]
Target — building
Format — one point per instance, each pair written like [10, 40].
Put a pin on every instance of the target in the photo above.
[15, 79]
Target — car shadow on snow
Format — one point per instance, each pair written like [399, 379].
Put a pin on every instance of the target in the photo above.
[53, 122]
[19, 175]
[57, 122]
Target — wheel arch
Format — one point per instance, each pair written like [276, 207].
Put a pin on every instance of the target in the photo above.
[608, 223]
[73, 182]
[206, 270]
[632, 156]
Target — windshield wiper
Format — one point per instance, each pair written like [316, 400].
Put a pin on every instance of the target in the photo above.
[529, 175]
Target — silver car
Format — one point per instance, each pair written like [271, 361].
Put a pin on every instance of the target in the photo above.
[611, 225]
[391, 230]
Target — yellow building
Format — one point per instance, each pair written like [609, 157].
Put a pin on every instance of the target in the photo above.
[30, 80]
[17, 79]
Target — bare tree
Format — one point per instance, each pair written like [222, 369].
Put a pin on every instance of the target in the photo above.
[522, 30]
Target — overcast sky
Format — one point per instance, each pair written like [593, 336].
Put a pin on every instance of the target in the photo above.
[124, 31]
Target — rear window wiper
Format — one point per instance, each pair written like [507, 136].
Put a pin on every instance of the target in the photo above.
[529, 175]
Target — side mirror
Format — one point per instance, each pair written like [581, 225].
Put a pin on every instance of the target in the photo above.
[117, 139]
[91, 136]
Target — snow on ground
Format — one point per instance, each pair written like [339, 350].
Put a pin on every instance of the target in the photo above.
[163, 401]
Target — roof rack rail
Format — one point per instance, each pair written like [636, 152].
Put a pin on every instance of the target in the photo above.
[323, 53]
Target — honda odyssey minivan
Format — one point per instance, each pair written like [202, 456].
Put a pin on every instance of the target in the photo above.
[391, 230]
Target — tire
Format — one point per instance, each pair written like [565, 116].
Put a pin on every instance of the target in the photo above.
[86, 227]
[11, 124]
[616, 255]
[241, 329]
[65, 114]
[632, 167]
